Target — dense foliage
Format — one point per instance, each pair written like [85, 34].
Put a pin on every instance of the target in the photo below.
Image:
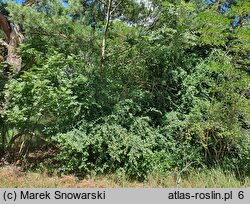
[132, 87]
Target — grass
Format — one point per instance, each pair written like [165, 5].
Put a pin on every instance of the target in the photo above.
[12, 177]
[213, 178]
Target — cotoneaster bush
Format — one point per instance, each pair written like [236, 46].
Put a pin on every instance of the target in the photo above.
[118, 143]
[111, 148]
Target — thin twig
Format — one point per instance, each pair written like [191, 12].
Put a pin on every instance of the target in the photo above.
[113, 10]
[178, 179]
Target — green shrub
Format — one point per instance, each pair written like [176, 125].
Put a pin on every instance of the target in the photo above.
[108, 147]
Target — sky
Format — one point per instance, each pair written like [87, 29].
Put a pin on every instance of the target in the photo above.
[19, 1]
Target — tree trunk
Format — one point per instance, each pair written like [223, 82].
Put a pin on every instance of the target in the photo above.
[104, 38]
[14, 38]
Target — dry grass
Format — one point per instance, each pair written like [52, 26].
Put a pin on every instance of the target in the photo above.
[11, 177]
